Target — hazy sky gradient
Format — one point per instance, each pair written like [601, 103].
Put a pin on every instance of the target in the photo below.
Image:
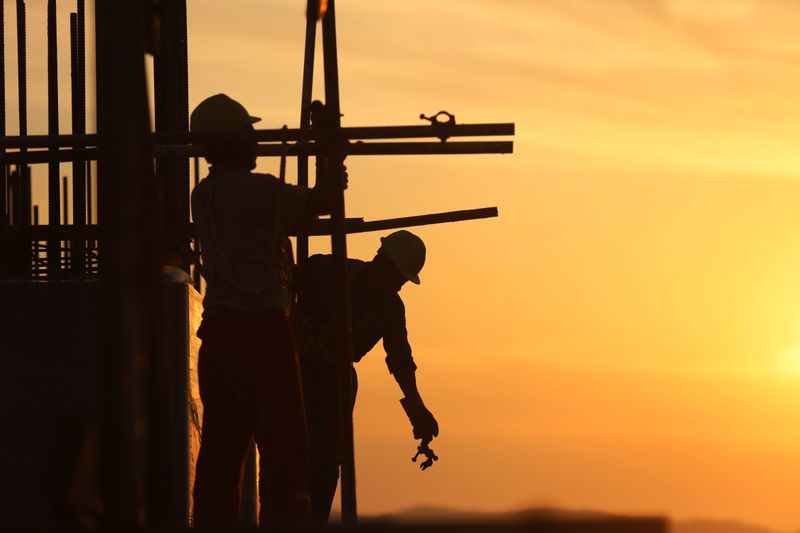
[626, 336]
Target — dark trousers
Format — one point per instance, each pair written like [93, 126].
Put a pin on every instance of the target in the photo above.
[320, 384]
[250, 387]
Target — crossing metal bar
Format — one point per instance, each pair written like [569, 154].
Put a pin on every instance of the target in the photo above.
[272, 135]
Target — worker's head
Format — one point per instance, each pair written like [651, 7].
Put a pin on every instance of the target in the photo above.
[399, 259]
[221, 114]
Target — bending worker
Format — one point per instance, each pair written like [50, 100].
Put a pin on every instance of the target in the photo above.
[248, 366]
[377, 313]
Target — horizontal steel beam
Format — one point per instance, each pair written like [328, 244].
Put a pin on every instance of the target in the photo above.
[430, 148]
[275, 135]
[277, 150]
[318, 227]
[48, 156]
[322, 227]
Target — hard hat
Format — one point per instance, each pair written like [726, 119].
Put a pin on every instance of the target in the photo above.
[407, 252]
[220, 113]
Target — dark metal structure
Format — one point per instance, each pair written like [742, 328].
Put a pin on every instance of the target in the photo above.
[138, 208]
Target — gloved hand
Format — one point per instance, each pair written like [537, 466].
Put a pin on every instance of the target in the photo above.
[422, 420]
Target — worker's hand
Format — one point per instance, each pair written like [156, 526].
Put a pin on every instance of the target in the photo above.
[425, 425]
[344, 177]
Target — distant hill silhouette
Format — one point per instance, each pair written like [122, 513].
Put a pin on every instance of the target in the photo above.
[716, 526]
[443, 514]
[433, 514]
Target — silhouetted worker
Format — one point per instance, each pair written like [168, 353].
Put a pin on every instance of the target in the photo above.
[248, 366]
[377, 313]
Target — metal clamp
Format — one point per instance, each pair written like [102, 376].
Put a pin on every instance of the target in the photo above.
[424, 449]
[442, 125]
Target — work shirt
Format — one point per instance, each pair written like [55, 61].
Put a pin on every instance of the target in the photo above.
[373, 317]
[242, 221]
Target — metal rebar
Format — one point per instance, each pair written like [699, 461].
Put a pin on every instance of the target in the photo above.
[275, 150]
[24, 197]
[89, 199]
[322, 227]
[53, 174]
[2, 71]
[22, 69]
[14, 186]
[78, 102]
[312, 15]
[81, 46]
[65, 200]
[5, 215]
[64, 244]
[344, 339]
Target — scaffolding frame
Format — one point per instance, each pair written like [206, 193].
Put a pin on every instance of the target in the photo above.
[136, 204]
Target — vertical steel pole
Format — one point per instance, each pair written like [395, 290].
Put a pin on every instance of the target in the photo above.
[312, 14]
[65, 199]
[14, 193]
[340, 281]
[128, 267]
[78, 127]
[169, 480]
[5, 207]
[53, 177]
[171, 84]
[196, 278]
[35, 250]
[65, 249]
[89, 195]
[24, 197]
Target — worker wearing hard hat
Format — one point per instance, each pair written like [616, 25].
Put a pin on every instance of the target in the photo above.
[377, 313]
[248, 367]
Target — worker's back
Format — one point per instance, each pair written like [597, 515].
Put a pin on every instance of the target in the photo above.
[241, 223]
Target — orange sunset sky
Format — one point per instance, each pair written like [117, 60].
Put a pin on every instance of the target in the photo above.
[626, 335]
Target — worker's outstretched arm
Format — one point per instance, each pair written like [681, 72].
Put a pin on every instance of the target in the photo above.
[401, 365]
[422, 420]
